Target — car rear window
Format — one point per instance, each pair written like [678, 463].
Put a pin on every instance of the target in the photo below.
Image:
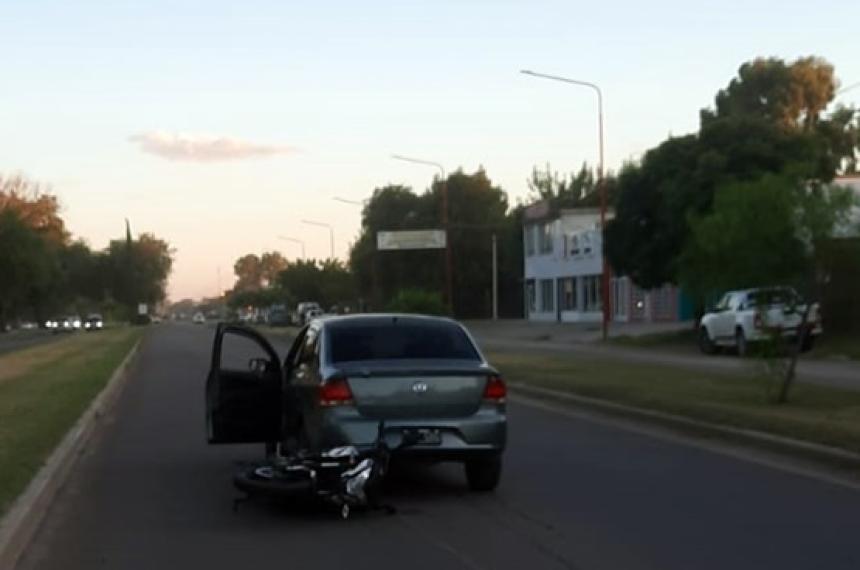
[399, 340]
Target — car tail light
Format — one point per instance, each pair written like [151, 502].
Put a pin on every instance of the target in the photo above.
[495, 390]
[335, 392]
[757, 322]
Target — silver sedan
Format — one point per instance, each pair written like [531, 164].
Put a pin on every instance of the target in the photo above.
[424, 377]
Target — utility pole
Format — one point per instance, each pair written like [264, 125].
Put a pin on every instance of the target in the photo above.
[449, 286]
[601, 188]
[495, 280]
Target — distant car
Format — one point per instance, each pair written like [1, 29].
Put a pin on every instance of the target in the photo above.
[279, 318]
[94, 322]
[312, 314]
[198, 319]
[63, 324]
[76, 321]
[28, 325]
[302, 311]
[424, 377]
[156, 319]
[754, 315]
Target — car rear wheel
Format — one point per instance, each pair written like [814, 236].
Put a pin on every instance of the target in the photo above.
[483, 473]
[808, 343]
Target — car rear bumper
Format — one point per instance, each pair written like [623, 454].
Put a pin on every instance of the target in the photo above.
[484, 432]
[789, 332]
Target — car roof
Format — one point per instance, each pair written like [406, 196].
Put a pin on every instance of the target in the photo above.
[758, 289]
[380, 318]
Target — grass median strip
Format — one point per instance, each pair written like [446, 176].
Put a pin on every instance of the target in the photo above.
[816, 414]
[43, 391]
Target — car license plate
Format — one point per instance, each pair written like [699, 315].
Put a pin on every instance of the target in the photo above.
[429, 436]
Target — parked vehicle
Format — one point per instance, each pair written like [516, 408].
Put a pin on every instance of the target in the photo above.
[754, 315]
[94, 322]
[312, 314]
[344, 374]
[198, 318]
[302, 311]
[279, 318]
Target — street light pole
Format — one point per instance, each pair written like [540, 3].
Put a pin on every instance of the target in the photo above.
[449, 289]
[347, 201]
[604, 289]
[294, 240]
[330, 232]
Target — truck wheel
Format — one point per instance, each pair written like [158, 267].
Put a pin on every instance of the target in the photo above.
[808, 343]
[706, 345]
[741, 343]
[483, 474]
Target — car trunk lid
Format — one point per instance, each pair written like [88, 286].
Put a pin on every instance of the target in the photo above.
[420, 389]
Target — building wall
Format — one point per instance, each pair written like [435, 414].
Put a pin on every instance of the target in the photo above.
[569, 246]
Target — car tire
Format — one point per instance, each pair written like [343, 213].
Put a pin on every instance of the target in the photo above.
[706, 345]
[483, 474]
[808, 343]
[741, 343]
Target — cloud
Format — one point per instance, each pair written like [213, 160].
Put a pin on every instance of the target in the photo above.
[202, 148]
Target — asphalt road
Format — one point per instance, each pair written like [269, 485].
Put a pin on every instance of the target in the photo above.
[576, 493]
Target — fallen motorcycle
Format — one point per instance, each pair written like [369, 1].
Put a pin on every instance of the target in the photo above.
[345, 477]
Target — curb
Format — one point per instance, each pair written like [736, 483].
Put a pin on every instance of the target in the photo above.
[23, 518]
[815, 451]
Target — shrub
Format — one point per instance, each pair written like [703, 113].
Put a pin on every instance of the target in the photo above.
[417, 301]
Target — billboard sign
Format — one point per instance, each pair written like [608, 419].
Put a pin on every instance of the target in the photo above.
[410, 239]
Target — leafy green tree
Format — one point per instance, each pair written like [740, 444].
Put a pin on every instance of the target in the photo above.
[271, 264]
[138, 270]
[477, 209]
[791, 95]
[249, 272]
[25, 265]
[749, 239]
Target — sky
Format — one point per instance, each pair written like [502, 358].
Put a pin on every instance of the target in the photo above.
[221, 125]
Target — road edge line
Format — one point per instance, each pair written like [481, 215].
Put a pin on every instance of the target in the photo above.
[833, 456]
[21, 522]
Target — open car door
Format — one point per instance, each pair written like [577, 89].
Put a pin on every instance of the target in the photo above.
[243, 403]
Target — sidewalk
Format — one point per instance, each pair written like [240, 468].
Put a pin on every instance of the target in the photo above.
[567, 332]
[511, 335]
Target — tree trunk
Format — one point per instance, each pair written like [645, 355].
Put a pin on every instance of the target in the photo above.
[795, 354]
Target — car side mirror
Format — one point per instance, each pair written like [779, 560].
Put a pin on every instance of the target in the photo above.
[258, 365]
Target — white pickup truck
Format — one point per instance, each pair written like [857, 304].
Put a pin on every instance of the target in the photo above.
[753, 315]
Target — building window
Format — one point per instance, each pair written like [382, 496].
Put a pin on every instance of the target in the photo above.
[531, 295]
[591, 293]
[530, 240]
[574, 245]
[546, 296]
[545, 231]
[568, 294]
[586, 243]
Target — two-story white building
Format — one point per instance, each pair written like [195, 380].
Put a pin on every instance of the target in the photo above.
[563, 267]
